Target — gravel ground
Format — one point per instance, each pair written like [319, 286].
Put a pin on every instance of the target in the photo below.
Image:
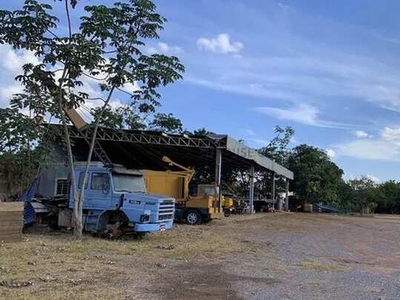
[297, 256]
[264, 256]
[321, 257]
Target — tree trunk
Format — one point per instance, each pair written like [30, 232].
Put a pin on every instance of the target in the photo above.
[80, 199]
[77, 211]
[77, 214]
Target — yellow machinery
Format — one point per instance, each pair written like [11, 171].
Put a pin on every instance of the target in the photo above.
[228, 205]
[194, 210]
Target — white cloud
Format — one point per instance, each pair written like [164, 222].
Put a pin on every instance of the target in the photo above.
[331, 153]
[303, 113]
[391, 134]
[244, 89]
[221, 44]
[286, 65]
[300, 113]
[13, 60]
[164, 48]
[373, 178]
[7, 92]
[283, 6]
[11, 66]
[386, 146]
[260, 141]
[361, 134]
[250, 132]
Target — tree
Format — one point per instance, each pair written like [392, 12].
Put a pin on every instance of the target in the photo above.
[390, 197]
[22, 150]
[366, 195]
[278, 148]
[345, 196]
[106, 47]
[17, 160]
[123, 117]
[317, 179]
[201, 131]
[166, 123]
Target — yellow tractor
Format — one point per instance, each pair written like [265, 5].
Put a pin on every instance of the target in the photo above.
[192, 210]
[228, 204]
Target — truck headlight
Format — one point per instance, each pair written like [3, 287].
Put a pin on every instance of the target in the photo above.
[144, 218]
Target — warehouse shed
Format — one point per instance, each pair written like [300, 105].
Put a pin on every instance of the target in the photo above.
[145, 149]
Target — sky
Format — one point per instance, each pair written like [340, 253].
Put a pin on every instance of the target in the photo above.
[329, 69]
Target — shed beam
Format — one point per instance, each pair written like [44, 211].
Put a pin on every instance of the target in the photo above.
[152, 139]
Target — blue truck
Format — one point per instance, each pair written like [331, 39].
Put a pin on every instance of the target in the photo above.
[115, 200]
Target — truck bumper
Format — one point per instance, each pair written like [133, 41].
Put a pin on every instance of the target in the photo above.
[151, 227]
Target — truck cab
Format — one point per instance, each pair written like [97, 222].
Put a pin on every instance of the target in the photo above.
[116, 201]
[116, 197]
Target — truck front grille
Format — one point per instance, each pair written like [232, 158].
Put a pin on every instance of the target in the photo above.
[166, 211]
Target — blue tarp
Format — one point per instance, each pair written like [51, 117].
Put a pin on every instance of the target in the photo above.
[29, 212]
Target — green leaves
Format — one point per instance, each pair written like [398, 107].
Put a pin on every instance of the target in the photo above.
[166, 123]
[22, 149]
[15, 130]
[107, 48]
[316, 179]
[27, 28]
[277, 149]
[74, 3]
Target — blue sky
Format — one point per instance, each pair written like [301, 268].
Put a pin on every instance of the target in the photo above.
[330, 69]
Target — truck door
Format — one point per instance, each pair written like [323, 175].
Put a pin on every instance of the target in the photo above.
[98, 193]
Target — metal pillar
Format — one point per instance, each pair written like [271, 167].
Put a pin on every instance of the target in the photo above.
[280, 203]
[251, 192]
[218, 167]
[287, 194]
[273, 190]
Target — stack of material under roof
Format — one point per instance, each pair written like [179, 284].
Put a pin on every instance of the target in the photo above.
[11, 221]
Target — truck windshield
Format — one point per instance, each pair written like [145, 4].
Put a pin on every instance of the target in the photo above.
[129, 183]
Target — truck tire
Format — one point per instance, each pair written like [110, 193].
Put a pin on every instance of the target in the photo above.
[227, 212]
[193, 217]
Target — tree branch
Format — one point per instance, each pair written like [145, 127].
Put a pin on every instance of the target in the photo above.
[98, 79]
[68, 19]
[52, 33]
[123, 91]
[96, 98]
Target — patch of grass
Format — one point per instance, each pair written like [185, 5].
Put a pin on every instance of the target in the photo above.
[319, 266]
[61, 267]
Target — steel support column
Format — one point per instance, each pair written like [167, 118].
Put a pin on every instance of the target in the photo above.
[280, 203]
[251, 192]
[218, 168]
[287, 195]
[273, 190]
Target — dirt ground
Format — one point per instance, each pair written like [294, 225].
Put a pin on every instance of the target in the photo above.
[264, 256]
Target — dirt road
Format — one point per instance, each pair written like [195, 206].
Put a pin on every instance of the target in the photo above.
[266, 256]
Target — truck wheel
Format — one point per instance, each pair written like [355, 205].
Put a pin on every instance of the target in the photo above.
[139, 235]
[193, 217]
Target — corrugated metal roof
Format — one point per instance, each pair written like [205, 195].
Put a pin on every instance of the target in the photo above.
[145, 149]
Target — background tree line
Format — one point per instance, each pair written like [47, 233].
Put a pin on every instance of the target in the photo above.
[24, 145]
